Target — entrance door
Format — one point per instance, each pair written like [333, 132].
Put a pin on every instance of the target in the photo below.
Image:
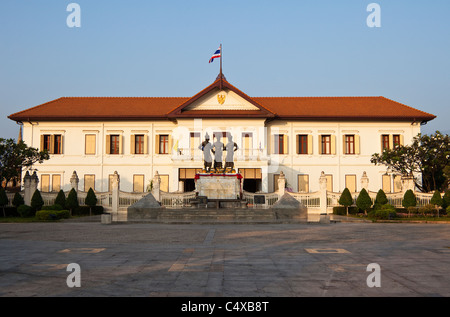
[252, 179]
[187, 175]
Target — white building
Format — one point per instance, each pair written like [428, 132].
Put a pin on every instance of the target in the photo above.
[301, 136]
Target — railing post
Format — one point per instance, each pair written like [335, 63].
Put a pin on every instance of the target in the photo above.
[27, 189]
[323, 193]
[156, 187]
[115, 183]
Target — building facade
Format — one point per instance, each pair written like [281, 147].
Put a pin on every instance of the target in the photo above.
[137, 137]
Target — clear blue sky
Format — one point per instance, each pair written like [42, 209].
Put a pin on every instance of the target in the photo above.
[271, 48]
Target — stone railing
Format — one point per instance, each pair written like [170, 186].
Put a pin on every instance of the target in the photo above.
[310, 200]
[269, 199]
[176, 200]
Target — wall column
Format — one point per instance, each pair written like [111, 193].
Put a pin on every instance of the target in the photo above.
[115, 185]
[323, 193]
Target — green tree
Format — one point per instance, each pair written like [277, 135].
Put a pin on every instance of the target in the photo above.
[409, 199]
[15, 156]
[363, 201]
[346, 199]
[91, 200]
[446, 199]
[437, 200]
[381, 198]
[36, 200]
[61, 199]
[72, 200]
[18, 200]
[3, 200]
[428, 155]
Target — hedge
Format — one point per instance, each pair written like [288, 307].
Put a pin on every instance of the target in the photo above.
[26, 211]
[52, 214]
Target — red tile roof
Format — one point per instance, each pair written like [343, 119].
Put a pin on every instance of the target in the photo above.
[151, 108]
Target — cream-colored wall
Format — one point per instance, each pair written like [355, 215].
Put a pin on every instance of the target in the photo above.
[127, 164]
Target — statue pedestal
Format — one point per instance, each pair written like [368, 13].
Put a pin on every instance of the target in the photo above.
[218, 186]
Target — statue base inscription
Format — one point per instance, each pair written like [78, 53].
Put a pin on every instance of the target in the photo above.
[218, 186]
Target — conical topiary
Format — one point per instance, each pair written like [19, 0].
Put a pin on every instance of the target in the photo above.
[61, 199]
[409, 199]
[91, 200]
[36, 200]
[346, 199]
[363, 201]
[72, 200]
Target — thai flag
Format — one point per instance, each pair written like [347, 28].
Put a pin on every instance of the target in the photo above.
[215, 55]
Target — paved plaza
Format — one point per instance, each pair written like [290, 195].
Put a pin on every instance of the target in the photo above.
[224, 260]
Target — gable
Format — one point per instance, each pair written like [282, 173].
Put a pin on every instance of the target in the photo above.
[223, 100]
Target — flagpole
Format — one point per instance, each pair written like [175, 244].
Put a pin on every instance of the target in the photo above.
[221, 52]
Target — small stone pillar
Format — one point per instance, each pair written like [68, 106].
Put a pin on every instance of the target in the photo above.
[27, 189]
[115, 192]
[281, 184]
[181, 186]
[365, 181]
[156, 187]
[74, 181]
[323, 193]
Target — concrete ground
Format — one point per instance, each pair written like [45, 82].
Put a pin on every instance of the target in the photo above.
[225, 260]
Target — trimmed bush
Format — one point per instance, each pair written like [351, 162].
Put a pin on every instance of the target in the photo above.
[36, 201]
[381, 198]
[342, 211]
[448, 210]
[52, 207]
[427, 210]
[409, 199]
[346, 199]
[384, 212]
[91, 200]
[72, 200]
[363, 201]
[52, 214]
[61, 199]
[26, 211]
[446, 199]
[18, 200]
[86, 210]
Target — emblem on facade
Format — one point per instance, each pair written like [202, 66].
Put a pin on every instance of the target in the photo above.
[221, 98]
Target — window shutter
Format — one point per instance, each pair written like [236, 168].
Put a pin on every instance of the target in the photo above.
[402, 139]
[145, 144]
[391, 142]
[285, 144]
[333, 144]
[52, 144]
[120, 144]
[344, 145]
[61, 145]
[108, 144]
[297, 144]
[132, 144]
[310, 144]
[169, 150]
[320, 144]
[42, 143]
[272, 144]
[357, 145]
[157, 144]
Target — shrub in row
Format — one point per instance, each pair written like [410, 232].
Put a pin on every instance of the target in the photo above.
[52, 214]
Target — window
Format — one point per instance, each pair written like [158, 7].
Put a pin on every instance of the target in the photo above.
[56, 183]
[164, 144]
[349, 144]
[195, 142]
[138, 183]
[385, 142]
[247, 143]
[139, 144]
[280, 144]
[89, 182]
[326, 144]
[45, 183]
[350, 183]
[302, 144]
[89, 148]
[115, 144]
[52, 143]
[386, 180]
[396, 139]
[303, 183]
